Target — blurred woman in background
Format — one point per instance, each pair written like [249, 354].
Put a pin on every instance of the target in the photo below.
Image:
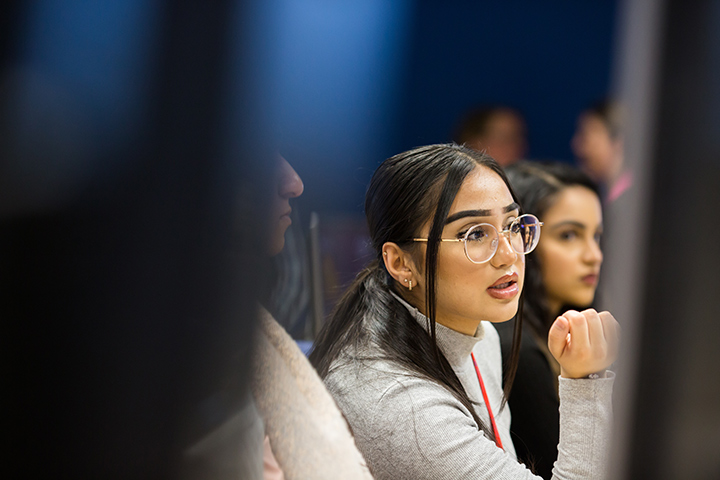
[561, 273]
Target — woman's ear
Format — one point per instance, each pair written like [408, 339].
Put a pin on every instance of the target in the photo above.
[399, 264]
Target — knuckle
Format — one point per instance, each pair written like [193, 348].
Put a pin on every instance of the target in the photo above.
[577, 320]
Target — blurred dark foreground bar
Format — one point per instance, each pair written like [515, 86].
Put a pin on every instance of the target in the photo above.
[130, 172]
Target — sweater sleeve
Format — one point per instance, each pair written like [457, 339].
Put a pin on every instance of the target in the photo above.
[411, 428]
[585, 428]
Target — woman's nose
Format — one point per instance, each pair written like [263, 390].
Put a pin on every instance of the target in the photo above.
[592, 253]
[505, 253]
[290, 184]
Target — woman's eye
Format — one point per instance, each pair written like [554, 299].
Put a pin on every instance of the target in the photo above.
[568, 235]
[477, 234]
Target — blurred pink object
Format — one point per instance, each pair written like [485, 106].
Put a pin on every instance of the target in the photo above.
[618, 188]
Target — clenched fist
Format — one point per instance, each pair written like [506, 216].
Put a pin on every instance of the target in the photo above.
[584, 342]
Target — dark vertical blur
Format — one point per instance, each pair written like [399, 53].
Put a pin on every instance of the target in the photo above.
[663, 252]
[132, 171]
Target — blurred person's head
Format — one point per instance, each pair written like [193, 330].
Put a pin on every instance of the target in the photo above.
[563, 270]
[598, 141]
[287, 185]
[500, 131]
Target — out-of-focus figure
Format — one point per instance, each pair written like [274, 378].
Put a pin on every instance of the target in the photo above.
[306, 436]
[598, 146]
[499, 130]
[561, 273]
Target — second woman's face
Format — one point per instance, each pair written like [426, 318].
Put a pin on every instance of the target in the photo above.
[468, 292]
[569, 250]
[287, 185]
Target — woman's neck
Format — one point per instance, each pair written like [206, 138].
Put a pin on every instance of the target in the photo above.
[461, 325]
[466, 327]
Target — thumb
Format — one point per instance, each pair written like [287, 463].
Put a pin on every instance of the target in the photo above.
[557, 337]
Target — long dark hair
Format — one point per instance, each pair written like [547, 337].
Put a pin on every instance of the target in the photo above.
[405, 192]
[537, 185]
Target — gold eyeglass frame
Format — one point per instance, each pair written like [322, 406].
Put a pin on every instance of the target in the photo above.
[505, 232]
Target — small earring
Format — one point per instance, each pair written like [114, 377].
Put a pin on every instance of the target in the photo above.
[410, 286]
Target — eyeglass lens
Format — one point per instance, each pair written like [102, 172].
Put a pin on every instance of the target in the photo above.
[481, 241]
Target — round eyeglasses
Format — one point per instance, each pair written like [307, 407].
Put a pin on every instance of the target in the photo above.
[482, 240]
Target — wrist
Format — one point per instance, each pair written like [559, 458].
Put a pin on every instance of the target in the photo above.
[592, 376]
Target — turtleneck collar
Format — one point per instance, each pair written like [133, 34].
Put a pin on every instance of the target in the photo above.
[455, 346]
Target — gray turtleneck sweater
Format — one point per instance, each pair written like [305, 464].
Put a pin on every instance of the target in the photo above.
[412, 428]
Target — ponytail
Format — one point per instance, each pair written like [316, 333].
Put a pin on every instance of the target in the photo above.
[368, 313]
[345, 323]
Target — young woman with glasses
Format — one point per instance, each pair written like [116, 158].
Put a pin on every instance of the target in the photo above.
[561, 273]
[410, 353]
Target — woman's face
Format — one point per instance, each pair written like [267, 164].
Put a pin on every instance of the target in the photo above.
[287, 185]
[468, 292]
[569, 250]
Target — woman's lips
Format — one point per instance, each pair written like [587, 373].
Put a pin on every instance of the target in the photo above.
[591, 279]
[283, 220]
[505, 288]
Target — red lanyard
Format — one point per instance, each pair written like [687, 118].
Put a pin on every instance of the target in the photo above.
[498, 442]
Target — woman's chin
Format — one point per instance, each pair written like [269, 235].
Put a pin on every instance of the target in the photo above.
[277, 240]
[503, 315]
[276, 245]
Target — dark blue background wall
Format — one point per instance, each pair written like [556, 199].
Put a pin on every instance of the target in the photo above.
[348, 83]
[356, 82]
[548, 58]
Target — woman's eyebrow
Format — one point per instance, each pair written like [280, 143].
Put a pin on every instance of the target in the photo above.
[568, 223]
[479, 213]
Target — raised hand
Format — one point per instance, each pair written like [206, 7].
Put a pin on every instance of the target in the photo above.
[584, 342]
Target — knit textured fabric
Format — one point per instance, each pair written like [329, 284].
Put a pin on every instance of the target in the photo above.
[308, 435]
[413, 428]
